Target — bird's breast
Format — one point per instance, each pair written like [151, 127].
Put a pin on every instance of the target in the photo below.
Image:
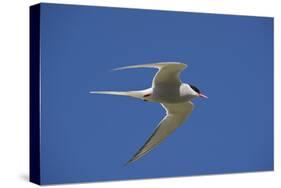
[168, 94]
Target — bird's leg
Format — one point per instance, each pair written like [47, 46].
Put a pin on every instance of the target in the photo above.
[145, 96]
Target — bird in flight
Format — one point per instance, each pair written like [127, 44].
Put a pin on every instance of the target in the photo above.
[168, 90]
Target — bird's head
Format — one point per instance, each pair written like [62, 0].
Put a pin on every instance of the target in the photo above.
[198, 92]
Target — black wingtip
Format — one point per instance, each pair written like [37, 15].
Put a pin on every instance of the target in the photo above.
[129, 162]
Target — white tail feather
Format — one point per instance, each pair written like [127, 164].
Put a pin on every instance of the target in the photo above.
[135, 94]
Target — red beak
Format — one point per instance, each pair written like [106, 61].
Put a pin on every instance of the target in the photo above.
[203, 96]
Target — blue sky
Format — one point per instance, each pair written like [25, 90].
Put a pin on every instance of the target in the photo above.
[88, 137]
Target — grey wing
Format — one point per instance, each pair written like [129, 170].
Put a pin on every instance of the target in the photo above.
[168, 72]
[175, 116]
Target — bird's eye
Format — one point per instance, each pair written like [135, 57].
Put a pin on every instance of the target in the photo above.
[195, 88]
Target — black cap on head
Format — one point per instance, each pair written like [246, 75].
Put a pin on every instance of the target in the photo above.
[195, 88]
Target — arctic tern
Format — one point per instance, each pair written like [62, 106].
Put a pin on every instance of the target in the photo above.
[168, 90]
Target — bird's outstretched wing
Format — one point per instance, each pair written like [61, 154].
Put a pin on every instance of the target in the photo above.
[175, 115]
[168, 72]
